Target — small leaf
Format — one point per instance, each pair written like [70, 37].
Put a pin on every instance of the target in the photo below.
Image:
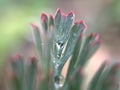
[37, 38]
[57, 19]
[95, 78]
[17, 64]
[31, 74]
[74, 56]
[40, 47]
[109, 74]
[75, 32]
[44, 20]
[51, 22]
[44, 85]
[89, 47]
[75, 81]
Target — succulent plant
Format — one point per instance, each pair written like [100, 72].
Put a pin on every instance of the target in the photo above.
[61, 39]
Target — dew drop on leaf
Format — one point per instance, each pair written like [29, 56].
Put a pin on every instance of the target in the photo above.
[59, 81]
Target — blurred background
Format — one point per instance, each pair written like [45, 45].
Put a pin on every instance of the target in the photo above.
[102, 16]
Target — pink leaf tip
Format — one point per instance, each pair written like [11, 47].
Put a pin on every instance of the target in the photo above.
[33, 59]
[83, 22]
[71, 13]
[76, 22]
[58, 10]
[34, 26]
[51, 17]
[64, 15]
[15, 58]
[44, 17]
[97, 40]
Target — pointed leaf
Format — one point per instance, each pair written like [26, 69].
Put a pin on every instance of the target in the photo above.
[31, 74]
[74, 56]
[44, 20]
[75, 32]
[95, 78]
[89, 47]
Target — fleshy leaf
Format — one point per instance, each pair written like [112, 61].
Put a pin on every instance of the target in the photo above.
[109, 79]
[95, 79]
[44, 20]
[74, 56]
[89, 47]
[17, 64]
[77, 29]
[31, 74]
[51, 22]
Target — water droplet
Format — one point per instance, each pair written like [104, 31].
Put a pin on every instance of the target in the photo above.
[53, 58]
[74, 34]
[56, 65]
[54, 61]
[59, 47]
[59, 81]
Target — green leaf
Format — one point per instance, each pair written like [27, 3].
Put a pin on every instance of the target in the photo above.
[107, 76]
[74, 57]
[44, 85]
[15, 84]
[95, 79]
[37, 39]
[51, 22]
[89, 47]
[40, 47]
[75, 81]
[75, 32]
[44, 20]
[57, 20]
[17, 63]
[48, 50]
[31, 74]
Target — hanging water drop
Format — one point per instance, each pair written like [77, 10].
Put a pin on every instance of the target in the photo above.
[59, 81]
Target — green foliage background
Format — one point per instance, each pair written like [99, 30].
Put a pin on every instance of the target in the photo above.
[116, 10]
[15, 16]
